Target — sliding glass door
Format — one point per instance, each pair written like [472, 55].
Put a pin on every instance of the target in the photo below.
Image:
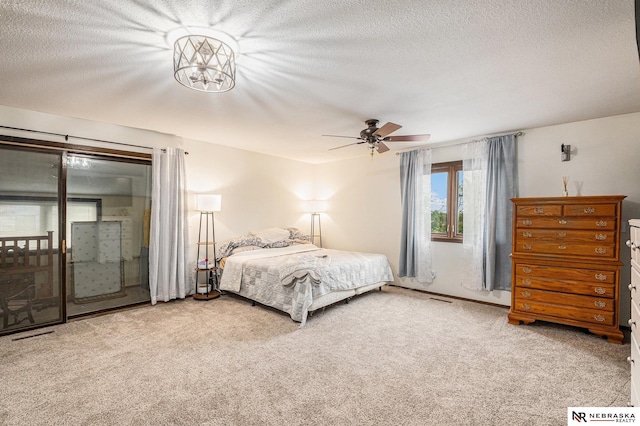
[108, 205]
[31, 291]
[74, 234]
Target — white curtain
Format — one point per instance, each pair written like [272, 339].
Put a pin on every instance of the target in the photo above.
[168, 243]
[415, 249]
[490, 181]
[474, 195]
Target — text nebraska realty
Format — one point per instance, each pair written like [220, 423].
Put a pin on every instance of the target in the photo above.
[604, 417]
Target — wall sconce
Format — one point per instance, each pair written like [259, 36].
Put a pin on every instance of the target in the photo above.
[565, 152]
[315, 207]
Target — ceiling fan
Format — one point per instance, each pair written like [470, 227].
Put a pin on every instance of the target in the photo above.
[376, 137]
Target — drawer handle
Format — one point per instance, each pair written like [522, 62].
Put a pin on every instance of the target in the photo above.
[527, 222]
[601, 277]
[538, 210]
[562, 247]
[631, 323]
[630, 360]
[526, 306]
[526, 281]
[526, 270]
[601, 250]
[601, 223]
[600, 304]
[527, 234]
[562, 222]
[589, 210]
[600, 290]
[601, 237]
[526, 294]
[526, 246]
[631, 287]
[599, 318]
[562, 234]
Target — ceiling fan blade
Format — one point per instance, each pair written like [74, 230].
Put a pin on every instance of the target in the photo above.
[387, 129]
[381, 147]
[338, 136]
[408, 138]
[344, 146]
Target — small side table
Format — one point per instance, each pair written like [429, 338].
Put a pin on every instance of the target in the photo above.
[210, 288]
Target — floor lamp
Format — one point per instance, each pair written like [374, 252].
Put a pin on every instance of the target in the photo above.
[315, 207]
[207, 204]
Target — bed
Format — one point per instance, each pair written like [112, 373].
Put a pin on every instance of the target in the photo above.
[295, 276]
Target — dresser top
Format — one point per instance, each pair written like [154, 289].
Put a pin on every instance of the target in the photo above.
[581, 199]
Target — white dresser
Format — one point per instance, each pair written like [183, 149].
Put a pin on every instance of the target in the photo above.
[634, 322]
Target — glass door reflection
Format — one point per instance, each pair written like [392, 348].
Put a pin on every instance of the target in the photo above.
[30, 287]
[108, 204]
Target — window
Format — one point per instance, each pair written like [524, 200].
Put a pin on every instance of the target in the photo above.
[446, 201]
[24, 215]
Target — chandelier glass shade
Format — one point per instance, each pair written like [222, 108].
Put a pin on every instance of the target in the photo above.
[204, 63]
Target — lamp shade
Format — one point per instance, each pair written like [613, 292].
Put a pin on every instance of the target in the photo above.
[315, 206]
[208, 202]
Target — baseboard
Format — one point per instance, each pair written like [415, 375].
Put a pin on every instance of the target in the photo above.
[482, 302]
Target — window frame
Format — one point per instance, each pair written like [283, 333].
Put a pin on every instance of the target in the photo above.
[452, 168]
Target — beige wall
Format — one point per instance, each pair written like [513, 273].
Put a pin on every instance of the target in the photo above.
[363, 194]
[258, 190]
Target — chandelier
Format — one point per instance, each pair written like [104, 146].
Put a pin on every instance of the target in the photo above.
[204, 63]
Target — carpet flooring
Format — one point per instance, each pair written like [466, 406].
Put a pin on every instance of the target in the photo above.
[396, 357]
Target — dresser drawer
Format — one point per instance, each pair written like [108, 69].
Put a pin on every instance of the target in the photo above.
[592, 316]
[590, 210]
[604, 224]
[634, 322]
[555, 272]
[634, 237]
[635, 286]
[566, 286]
[635, 366]
[565, 299]
[566, 249]
[570, 236]
[540, 210]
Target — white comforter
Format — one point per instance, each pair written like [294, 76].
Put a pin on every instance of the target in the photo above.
[289, 278]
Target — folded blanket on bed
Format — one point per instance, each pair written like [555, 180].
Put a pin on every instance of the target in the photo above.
[298, 267]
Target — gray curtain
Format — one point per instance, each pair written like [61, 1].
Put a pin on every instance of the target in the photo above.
[415, 187]
[502, 185]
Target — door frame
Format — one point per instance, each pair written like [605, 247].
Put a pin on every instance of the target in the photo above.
[65, 149]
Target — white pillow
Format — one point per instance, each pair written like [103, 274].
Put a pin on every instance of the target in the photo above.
[271, 235]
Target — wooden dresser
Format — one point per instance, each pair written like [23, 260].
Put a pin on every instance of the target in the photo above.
[634, 322]
[566, 262]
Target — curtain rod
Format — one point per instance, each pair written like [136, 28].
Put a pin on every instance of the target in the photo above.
[444, 144]
[66, 138]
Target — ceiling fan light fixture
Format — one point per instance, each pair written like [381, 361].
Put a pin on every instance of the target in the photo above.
[376, 137]
[204, 63]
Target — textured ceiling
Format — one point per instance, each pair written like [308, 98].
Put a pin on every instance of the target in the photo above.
[451, 68]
